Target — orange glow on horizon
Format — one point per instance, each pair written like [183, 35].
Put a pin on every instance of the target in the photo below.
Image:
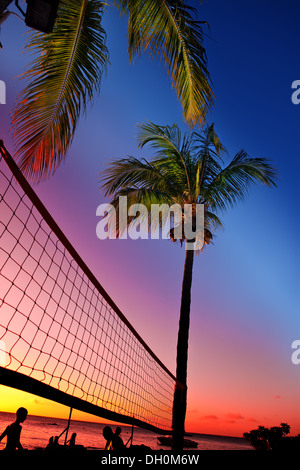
[219, 423]
[11, 399]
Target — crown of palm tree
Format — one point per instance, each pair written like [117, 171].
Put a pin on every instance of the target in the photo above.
[185, 169]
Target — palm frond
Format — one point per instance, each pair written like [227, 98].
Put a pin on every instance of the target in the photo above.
[168, 30]
[172, 155]
[131, 172]
[212, 221]
[208, 149]
[62, 79]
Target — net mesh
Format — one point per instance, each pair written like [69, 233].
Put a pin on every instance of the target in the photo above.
[56, 326]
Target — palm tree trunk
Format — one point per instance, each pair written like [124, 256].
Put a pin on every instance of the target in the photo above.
[180, 394]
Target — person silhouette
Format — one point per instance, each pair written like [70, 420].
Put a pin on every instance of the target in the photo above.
[108, 436]
[53, 444]
[118, 441]
[50, 443]
[13, 431]
[72, 441]
[113, 440]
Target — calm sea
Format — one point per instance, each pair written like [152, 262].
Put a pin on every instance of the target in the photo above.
[37, 430]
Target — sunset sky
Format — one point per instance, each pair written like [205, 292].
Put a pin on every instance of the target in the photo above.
[245, 294]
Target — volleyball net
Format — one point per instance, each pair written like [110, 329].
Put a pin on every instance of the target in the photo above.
[61, 335]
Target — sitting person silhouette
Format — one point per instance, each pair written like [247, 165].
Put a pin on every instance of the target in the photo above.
[71, 442]
[118, 441]
[13, 431]
[113, 441]
[53, 443]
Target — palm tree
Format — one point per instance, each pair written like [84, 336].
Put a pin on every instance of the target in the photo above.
[187, 169]
[69, 62]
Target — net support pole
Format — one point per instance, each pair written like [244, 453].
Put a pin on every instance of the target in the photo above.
[68, 426]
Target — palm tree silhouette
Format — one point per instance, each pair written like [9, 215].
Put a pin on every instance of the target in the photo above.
[186, 169]
[66, 72]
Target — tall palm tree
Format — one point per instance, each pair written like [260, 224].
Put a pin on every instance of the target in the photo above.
[187, 169]
[69, 62]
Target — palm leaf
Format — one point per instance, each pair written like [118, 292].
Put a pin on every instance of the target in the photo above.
[62, 79]
[172, 155]
[130, 172]
[232, 183]
[167, 29]
[208, 149]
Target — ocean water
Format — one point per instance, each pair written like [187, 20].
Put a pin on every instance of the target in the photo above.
[37, 430]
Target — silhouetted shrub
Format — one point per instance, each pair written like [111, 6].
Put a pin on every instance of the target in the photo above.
[274, 438]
